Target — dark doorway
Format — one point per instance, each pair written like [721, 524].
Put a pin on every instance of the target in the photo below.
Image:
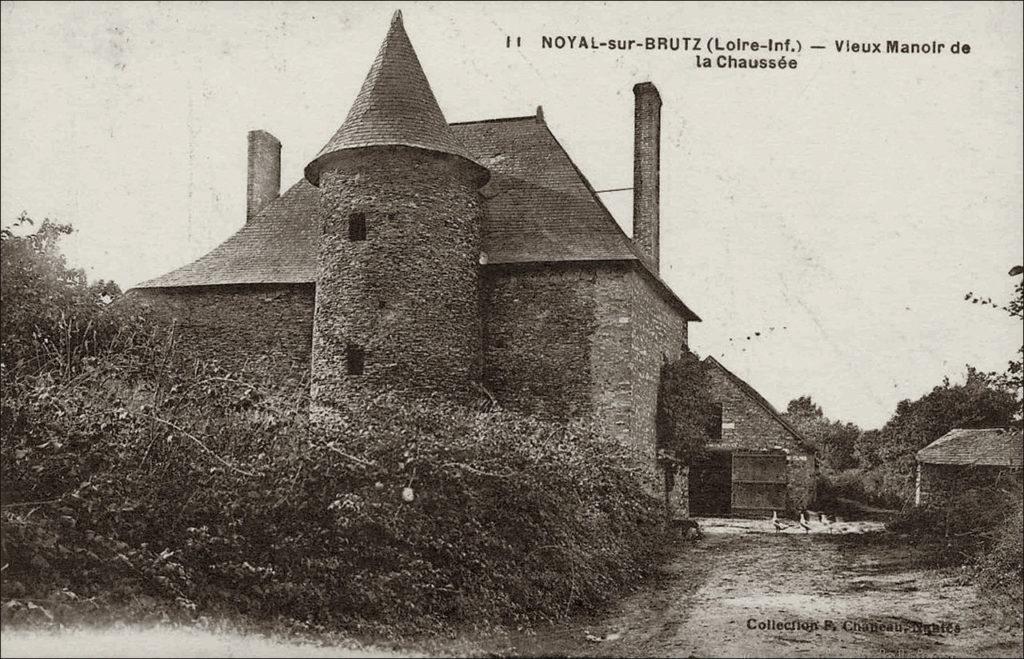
[711, 484]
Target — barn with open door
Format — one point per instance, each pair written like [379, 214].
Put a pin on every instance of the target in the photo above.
[759, 482]
[756, 462]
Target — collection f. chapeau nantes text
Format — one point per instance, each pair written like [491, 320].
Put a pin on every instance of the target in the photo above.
[724, 53]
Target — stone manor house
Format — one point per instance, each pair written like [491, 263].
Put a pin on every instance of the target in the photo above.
[426, 256]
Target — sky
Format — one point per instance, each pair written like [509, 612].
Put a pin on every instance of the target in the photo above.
[842, 209]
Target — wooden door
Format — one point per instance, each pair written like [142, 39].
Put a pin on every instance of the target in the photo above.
[758, 483]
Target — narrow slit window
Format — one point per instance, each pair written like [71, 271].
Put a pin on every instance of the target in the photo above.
[357, 226]
[355, 360]
[714, 428]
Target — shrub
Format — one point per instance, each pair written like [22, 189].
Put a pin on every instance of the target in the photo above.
[685, 416]
[861, 485]
[141, 480]
[135, 475]
[979, 528]
[1000, 571]
[214, 494]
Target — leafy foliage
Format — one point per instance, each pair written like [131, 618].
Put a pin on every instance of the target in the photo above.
[137, 476]
[973, 404]
[48, 310]
[1013, 378]
[878, 466]
[980, 529]
[685, 410]
[834, 441]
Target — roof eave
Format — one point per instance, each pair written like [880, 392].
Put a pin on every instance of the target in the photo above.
[479, 174]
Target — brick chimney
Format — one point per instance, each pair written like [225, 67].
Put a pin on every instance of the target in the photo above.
[647, 171]
[263, 183]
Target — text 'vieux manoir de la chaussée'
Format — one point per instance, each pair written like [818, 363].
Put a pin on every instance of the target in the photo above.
[717, 52]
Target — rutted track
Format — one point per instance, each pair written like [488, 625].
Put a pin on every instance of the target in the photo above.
[745, 590]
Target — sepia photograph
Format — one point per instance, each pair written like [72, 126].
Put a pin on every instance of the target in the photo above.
[511, 329]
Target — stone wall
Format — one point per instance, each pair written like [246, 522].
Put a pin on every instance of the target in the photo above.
[611, 355]
[265, 326]
[747, 425]
[582, 339]
[538, 333]
[408, 295]
[571, 340]
[658, 333]
[937, 481]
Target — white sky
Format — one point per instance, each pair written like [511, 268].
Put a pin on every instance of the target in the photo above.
[853, 201]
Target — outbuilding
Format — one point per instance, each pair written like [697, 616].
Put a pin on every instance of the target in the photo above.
[756, 462]
[968, 457]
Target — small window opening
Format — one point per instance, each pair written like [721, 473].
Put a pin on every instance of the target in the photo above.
[714, 428]
[355, 358]
[357, 226]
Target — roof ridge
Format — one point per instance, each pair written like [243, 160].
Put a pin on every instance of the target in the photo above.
[763, 403]
[531, 117]
[622, 234]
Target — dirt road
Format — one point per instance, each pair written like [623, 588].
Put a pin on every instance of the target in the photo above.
[745, 590]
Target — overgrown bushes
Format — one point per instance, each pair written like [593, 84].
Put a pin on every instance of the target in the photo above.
[420, 511]
[980, 528]
[139, 480]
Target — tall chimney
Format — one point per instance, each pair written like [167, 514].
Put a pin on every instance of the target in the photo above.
[647, 171]
[263, 183]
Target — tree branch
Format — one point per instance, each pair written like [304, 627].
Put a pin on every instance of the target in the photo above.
[349, 457]
[475, 470]
[197, 441]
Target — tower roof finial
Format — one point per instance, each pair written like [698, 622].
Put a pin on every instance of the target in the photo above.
[394, 107]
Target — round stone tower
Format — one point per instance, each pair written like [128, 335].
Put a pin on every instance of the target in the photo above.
[397, 294]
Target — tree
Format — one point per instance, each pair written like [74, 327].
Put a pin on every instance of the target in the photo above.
[977, 403]
[1013, 377]
[833, 440]
[46, 307]
[803, 407]
[685, 413]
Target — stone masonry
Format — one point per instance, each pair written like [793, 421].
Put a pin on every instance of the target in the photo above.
[750, 424]
[647, 172]
[581, 340]
[420, 256]
[269, 327]
[405, 294]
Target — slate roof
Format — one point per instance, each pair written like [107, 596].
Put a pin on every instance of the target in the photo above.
[761, 401]
[540, 208]
[997, 447]
[395, 106]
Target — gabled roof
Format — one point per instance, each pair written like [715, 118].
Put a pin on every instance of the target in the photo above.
[540, 209]
[394, 107]
[761, 401]
[997, 447]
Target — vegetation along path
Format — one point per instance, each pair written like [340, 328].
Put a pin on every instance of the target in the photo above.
[745, 590]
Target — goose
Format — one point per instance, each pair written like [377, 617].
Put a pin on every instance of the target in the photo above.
[826, 523]
[776, 523]
[804, 524]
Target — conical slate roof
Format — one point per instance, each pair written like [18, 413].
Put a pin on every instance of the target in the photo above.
[395, 107]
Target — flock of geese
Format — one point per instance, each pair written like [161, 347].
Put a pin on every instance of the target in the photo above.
[824, 523]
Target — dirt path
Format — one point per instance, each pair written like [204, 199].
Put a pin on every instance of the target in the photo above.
[746, 591]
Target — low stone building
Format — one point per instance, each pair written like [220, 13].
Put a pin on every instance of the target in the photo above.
[756, 462]
[964, 458]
